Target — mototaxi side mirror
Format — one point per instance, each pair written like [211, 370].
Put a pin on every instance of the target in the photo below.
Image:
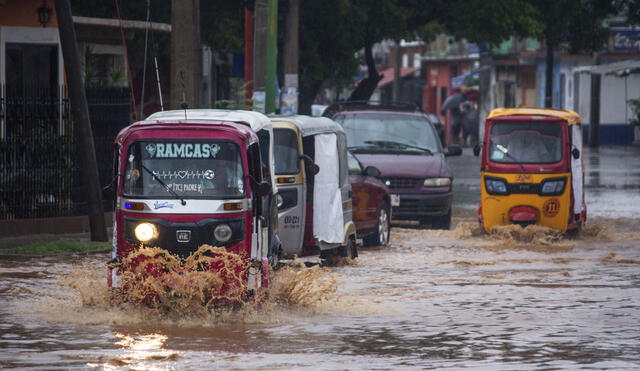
[453, 150]
[279, 200]
[476, 149]
[575, 153]
[310, 166]
[264, 189]
[371, 171]
[313, 169]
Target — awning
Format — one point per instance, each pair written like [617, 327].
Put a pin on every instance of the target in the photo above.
[471, 78]
[126, 24]
[388, 74]
[620, 69]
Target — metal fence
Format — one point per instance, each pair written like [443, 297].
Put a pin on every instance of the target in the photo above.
[39, 175]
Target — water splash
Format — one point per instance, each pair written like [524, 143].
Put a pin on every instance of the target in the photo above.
[163, 281]
[185, 294]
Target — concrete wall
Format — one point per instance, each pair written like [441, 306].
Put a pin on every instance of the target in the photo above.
[63, 225]
[614, 111]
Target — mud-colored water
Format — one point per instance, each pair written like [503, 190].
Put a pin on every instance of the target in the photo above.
[514, 299]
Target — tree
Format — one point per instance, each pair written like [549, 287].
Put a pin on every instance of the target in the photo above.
[333, 31]
[576, 24]
[330, 34]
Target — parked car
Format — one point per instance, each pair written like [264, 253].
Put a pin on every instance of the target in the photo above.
[403, 144]
[371, 203]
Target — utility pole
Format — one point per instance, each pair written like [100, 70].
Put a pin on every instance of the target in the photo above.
[248, 52]
[594, 114]
[272, 53]
[259, 55]
[548, 88]
[186, 55]
[289, 103]
[395, 88]
[82, 124]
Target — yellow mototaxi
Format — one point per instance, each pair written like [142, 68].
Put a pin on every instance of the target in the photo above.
[532, 169]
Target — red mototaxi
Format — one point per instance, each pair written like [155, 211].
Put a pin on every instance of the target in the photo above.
[187, 183]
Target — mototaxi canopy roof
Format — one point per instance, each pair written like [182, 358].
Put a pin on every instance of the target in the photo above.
[310, 125]
[256, 120]
[570, 116]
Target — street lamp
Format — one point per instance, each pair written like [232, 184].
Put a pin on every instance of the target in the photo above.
[44, 13]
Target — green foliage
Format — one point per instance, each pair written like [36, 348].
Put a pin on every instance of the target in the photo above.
[57, 247]
[577, 23]
[491, 21]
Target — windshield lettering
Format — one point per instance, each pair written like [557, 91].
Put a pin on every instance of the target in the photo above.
[182, 150]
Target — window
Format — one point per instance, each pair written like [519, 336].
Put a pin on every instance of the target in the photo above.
[193, 169]
[285, 146]
[354, 165]
[526, 142]
[389, 131]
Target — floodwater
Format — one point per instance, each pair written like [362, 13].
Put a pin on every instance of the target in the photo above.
[434, 299]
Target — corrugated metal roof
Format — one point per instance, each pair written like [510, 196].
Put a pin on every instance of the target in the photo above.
[621, 68]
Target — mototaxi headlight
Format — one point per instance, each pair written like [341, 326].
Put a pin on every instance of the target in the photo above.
[437, 182]
[495, 186]
[222, 232]
[552, 187]
[145, 232]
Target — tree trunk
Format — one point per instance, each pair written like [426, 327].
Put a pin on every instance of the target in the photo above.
[365, 89]
[548, 87]
[82, 124]
[186, 54]
[307, 96]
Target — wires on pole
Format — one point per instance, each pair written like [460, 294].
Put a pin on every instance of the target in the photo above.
[126, 60]
[144, 63]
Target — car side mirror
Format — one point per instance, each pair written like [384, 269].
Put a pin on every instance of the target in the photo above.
[453, 150]
[264, 189]
[575, 153]
[476, 149]
[371, 171]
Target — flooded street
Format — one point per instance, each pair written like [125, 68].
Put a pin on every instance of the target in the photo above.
[434, 299]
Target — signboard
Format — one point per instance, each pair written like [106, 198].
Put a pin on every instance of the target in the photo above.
[626, 40]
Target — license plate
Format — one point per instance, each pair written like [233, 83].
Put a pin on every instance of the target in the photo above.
[183, 236]
[395, 200]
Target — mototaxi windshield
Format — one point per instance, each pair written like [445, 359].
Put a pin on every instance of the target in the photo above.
[207, 169]
[530, 142]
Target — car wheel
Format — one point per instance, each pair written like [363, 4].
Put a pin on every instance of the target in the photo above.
[380, 236]
[442, 222]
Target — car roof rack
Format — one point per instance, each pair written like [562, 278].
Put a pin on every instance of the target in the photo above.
[370, 105]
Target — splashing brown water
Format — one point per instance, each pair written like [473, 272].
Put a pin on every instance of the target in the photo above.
[163, 281]
[192, 298]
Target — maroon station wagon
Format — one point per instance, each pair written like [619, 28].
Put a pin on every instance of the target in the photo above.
[404, 145]
[371, 203]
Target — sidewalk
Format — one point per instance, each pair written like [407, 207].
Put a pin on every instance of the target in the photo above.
[19, 232]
